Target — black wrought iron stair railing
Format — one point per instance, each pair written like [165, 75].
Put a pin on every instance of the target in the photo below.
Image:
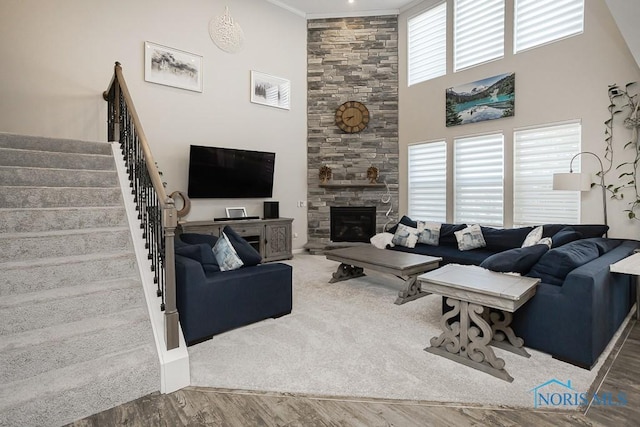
[156, 210]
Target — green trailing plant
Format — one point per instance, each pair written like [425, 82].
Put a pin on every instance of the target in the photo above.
[624, 103]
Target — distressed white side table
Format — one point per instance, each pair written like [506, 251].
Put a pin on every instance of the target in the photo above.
[630, 265]
[471, 291]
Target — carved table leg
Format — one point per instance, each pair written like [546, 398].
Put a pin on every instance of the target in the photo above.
[501, 328]
[465, 343]
[412, 290]
[346, 272]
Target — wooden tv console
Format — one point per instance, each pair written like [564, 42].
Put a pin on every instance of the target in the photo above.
[270, 237]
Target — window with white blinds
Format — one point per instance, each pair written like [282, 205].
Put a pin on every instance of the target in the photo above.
[478, 32]
[538, 154]
[428, 181]
[478, 180]
[539, 22]
[427, 44]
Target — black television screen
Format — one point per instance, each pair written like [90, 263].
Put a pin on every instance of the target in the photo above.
[229, 173]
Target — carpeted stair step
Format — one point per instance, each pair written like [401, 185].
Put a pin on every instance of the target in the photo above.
[35, 352]
[79, 390]
[29, 246]
[8, 140]
[43, 159]
[55, 197]
[57, 272]
[47, 219]
[75, 334]
[26, 312]
[45, 177]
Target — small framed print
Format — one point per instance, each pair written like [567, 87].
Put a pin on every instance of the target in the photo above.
[172, 67]
[270, 90]
[236, 212]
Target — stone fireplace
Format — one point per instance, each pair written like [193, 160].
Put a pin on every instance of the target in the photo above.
[352, 223]
[351, 59]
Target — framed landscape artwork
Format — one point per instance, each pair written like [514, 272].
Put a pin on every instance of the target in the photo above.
[172, 67]
[487, 99]
[270, 90]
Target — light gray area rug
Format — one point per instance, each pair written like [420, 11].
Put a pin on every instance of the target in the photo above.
[350, 339]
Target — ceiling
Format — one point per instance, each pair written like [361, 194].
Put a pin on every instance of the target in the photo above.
[314, 9]
[625, 12]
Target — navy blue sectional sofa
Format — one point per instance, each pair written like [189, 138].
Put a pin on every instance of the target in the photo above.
[579, 304]
[211, 301]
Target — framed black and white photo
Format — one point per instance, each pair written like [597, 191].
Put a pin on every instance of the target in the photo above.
[270, 90]
[238, 212]
[172, 67]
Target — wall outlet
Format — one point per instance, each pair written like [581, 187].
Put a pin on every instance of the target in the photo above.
[302, 203]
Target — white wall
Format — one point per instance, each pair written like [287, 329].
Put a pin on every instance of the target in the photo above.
[562, 81]
[58, 58]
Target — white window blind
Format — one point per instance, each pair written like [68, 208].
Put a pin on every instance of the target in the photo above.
[427, 45]
[478, 32]
[428, 181]
[543, 21]
[478, 174]
[538, 154]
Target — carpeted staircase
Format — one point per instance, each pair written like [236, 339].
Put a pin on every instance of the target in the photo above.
[75, 335]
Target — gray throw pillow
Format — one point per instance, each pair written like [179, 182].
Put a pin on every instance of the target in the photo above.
[405, 236]
[470, 238]
[226, 255]
[429, 232]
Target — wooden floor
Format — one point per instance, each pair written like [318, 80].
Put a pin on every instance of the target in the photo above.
[194, 406]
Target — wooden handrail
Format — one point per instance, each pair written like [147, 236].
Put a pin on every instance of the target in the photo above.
[160, 235]
[151, 164]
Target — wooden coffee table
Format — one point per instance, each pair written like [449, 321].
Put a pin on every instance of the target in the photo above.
[406, 266]
[471, 291]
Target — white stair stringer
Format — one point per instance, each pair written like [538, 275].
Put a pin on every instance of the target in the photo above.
[174, 364]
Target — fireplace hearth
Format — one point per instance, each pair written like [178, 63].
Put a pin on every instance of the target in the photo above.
[352, 223]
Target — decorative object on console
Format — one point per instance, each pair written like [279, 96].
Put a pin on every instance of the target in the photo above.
[372, 174]
[186, 203]
[270, 90]
[352, 116]
[271, 210]
[582, 181]
[238, 212]
[325, 174]
[226, 33]
[172, 67]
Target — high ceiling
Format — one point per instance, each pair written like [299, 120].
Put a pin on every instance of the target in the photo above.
[625, 12]
[339, 8]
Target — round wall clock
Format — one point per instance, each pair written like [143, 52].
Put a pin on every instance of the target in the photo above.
[352, 116]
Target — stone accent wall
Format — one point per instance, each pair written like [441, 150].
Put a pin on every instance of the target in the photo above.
[352, 59]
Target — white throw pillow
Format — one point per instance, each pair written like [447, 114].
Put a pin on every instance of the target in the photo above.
[545, 241]
[382, 240]
[226, 255]
[429, 232]
[405, 236]
[470, 238]
[533, 237]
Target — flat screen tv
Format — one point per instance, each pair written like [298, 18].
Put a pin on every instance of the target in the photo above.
[216, 173]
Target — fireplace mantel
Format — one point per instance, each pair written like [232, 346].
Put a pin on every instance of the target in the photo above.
[362, 184]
